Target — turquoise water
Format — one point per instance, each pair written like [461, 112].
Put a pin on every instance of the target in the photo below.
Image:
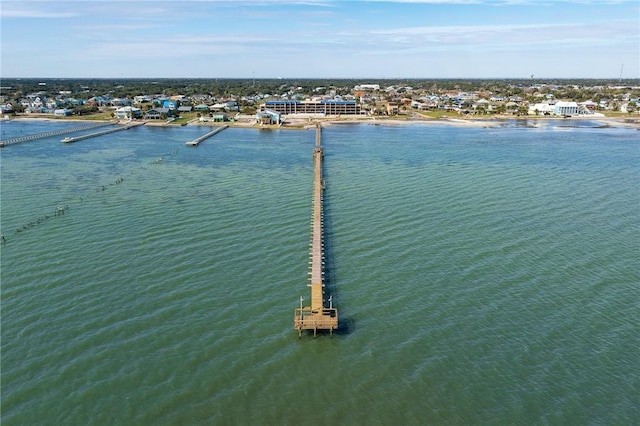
[483, 276]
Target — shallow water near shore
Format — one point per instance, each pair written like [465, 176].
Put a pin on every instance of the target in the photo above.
[482, 276]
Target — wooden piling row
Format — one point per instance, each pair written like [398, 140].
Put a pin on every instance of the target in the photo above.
[317, 316]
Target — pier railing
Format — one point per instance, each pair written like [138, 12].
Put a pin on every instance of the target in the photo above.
[318, 316]
[306, 319]
[26, 138]
[101, 133]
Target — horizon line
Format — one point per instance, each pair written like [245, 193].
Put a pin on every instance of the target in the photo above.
[320, 78]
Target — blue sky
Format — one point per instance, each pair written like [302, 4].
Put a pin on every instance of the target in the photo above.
[321, 38]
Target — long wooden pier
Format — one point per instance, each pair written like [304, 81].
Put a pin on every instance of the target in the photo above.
[320, 314]
[197, 141]
[26, 138]
[104, 132]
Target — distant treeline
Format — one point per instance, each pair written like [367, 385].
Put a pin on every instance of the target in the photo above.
[223, 88]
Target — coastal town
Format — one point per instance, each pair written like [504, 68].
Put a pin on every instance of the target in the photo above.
[278, 102]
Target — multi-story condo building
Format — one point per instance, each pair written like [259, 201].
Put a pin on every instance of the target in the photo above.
[324, 107]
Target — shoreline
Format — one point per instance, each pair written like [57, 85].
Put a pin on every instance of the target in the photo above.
[305, 123]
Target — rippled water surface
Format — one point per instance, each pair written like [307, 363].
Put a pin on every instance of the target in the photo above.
[483, 276]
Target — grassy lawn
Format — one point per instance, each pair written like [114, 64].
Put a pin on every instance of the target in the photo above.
[440, 114]
[185, 117]
[107, 115]
[618, 114]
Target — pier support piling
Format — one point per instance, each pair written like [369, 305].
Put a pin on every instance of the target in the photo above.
[317, 316]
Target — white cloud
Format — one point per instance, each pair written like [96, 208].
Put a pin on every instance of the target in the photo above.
[8, 12]
[161, 37]
[509, 34]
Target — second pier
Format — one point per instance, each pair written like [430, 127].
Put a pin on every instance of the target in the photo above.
[197, 141]
[101, 133]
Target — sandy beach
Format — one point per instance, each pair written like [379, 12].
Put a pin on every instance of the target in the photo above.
[490, 122]
[306, 122]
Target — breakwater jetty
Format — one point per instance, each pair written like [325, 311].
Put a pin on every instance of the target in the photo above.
[104, 132]
[320, 314]
[43, 135]
[197, 141]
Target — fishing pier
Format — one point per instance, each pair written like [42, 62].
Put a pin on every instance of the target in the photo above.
[103, 132]
[43, 135]
[197, 141]
[320, 314]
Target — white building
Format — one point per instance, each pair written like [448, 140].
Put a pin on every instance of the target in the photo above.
[566, 108]
[62, 112]
[367, 87]
[541, 109]
[128, 112]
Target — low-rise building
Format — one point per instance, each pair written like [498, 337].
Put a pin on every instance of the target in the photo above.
[542, 108]
[323, 107]
[170, 104]
[128, 113]
[566, 108]
[268, 116]
[157, 114]
[62, 112]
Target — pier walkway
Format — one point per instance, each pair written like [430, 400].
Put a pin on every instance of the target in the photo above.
[26, 138]
[104, 132]
[317, 316]
[197, 141]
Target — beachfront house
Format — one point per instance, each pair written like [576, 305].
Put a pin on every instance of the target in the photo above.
[565, 108]
[62, 112]
[157, 114]
[543, 108]
[201, 108]
[268, 116]
[128, 113]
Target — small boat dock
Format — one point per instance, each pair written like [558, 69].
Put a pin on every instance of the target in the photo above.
[197, 141]
[103, 132]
